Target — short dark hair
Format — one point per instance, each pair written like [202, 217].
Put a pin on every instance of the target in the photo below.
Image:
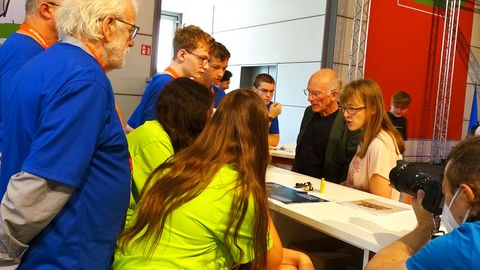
[182, 109]
[263, 77]
[220, 51]
[401, 99]
[226, 76]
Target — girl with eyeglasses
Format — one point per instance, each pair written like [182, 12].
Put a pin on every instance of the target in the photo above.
[380, 143]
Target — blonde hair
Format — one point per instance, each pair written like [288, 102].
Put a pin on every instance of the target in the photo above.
[190, 38]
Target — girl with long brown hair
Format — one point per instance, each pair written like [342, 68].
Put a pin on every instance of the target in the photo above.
[380, 143]
[207, 207]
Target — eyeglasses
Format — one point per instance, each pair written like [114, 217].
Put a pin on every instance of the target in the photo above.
[133, 31]
[204, 59]
[53, 4]
[351, 110]
[265, 91]
[316, 94]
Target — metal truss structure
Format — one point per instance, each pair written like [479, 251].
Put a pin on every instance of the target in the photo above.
[358, 45]
[445, 80]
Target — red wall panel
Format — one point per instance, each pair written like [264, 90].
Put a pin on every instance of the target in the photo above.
[403, 53]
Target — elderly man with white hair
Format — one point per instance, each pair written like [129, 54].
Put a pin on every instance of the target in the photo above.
[65, 152]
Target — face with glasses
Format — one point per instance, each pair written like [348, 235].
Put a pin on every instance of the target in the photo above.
[265, 91]
[133, 28]
[355, 113]
[196, 61]
[215, 71]
[321, 95]
[116, 49]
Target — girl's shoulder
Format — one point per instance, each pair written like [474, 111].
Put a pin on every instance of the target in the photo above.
[383, 139]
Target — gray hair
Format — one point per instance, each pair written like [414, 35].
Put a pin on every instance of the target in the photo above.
[80, 18]
[31, 6]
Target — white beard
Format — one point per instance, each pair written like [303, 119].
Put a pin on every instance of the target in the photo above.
[116, 53]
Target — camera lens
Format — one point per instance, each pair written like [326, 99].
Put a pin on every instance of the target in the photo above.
[408, 179]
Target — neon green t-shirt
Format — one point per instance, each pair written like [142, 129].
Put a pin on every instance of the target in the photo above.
[149, 146]
[193, 234]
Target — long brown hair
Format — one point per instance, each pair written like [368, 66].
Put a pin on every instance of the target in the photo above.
[369, 92]
[236, 134]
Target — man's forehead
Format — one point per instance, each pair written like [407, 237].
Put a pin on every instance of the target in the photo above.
[201, 49]
[320, 80]
[216, 61]
[317, 87]
[267, 86]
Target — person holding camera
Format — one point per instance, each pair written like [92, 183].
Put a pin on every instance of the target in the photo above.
[381, 145]
[459, 248]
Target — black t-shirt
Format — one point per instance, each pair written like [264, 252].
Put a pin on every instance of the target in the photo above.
[400, 123]
[310, 153]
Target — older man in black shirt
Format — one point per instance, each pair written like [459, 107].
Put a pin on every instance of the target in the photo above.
[325, 146]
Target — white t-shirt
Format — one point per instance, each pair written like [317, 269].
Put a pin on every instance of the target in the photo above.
[381, 157]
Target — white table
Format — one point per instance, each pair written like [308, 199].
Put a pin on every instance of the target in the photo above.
[359, 228]
[283, 151]
[283, 155]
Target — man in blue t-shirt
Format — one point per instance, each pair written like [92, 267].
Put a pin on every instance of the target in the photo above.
[224, 82]
[459, 248]
[264, 86]
[36, 33]
[191, 46]
[217, 64]
[66, 154]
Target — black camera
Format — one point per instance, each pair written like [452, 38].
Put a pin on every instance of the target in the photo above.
[406, 178]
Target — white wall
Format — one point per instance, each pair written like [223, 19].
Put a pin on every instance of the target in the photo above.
[275, 32]
[15, 12]
[282, 33]
[199, 13]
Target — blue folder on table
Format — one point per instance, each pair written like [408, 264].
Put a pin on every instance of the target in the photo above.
[289, 195]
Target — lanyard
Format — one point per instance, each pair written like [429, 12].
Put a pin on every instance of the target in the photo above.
[34, 34]
[95, 56]
[172, 71]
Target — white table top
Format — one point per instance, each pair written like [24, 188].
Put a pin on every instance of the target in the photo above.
[283, 151]
[356, 227]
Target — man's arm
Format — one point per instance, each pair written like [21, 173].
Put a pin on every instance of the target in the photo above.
[128, 129]
[273, 112]
[28, 206]
[273, 139]
[395, 255]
